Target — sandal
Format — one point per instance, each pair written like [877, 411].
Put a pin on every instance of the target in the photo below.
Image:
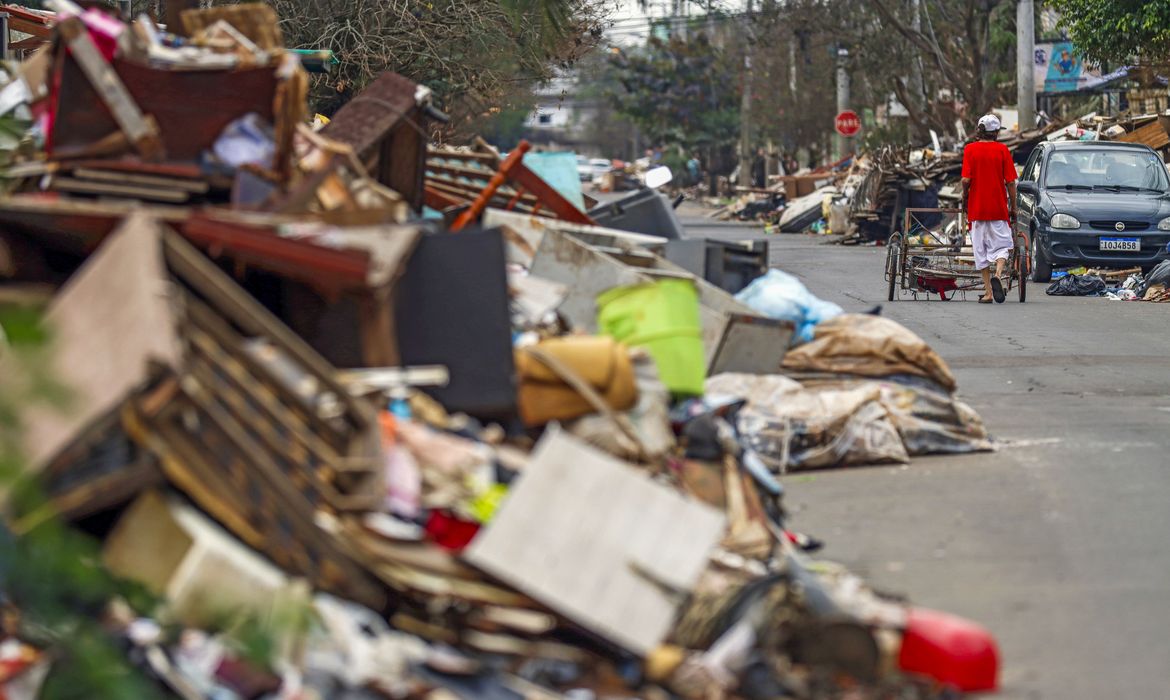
[985, 301]
[997, 292]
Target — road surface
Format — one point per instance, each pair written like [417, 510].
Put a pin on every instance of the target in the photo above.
[1060, 541]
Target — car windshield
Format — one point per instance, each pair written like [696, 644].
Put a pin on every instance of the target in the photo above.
[1106, 169]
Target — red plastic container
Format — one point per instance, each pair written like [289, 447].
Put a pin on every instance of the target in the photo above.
[951, 650]
[449, 531]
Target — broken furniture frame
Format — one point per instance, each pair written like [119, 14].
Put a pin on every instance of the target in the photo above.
[242, 416]
[455, 178]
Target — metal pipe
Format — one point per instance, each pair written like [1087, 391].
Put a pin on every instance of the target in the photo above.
[844, 144]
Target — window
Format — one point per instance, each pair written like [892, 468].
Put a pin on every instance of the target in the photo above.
[1032, 168]
[544, 119]
[1113, 168]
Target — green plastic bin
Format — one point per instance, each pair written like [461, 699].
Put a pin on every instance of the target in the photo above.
[662, 317]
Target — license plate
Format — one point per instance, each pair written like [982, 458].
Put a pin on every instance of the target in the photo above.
[1130, 244]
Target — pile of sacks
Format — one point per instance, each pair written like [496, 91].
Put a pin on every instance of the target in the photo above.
[860, 389]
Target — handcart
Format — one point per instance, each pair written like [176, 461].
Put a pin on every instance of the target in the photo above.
[932, 254]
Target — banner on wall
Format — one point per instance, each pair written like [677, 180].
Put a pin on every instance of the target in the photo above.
[1058, 67]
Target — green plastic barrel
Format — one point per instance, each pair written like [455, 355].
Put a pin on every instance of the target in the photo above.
[662, 317]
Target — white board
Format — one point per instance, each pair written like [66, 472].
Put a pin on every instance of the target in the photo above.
[597, 541]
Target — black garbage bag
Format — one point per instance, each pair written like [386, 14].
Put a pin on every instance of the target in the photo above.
[1077, 286]
[1159, 275]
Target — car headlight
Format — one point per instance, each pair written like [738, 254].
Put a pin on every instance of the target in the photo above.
[1164, 224]
[1065, 221]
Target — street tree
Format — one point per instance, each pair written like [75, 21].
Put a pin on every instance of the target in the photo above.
[679, 92]
[472, 53]
[1119, 31]
[953, 41]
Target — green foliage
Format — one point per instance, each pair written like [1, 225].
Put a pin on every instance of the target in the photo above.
[678, 93]
[503, 128]
[1118, 31]
[471, 53]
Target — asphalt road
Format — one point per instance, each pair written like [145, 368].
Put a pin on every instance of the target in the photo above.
[1060, 541]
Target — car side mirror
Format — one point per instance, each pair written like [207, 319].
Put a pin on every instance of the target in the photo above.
[1027, 187]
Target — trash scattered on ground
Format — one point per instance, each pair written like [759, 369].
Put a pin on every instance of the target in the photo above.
[1077, 286]
[324, 445]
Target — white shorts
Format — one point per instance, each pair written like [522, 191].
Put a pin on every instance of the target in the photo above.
[992, 240]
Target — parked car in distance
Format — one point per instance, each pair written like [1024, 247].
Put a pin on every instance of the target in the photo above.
[584, 169]
[600, 166]
[1094, 203]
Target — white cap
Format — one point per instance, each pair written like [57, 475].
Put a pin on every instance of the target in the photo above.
[989, 123]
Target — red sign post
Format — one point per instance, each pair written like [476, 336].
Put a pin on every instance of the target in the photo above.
[847, 123]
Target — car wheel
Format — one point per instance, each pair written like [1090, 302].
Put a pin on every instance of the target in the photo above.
[1041, 267]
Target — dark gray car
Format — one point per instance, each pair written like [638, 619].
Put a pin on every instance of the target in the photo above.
[1094, 203]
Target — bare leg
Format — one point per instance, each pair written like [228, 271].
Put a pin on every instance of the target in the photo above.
[999, 265]
[986, 272]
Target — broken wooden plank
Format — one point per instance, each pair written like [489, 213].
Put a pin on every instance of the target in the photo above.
[143, 134]
[71, 184]
[152, 181]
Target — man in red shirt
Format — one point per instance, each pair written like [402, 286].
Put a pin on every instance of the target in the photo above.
[989, 197]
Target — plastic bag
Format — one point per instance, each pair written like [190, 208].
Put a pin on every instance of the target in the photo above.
[792, 426]
[1076, 286]
[781, 296]
[1159, 275]
[246, 141]
[931, 420]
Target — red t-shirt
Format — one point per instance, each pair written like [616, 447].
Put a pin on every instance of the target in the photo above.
[989, 166]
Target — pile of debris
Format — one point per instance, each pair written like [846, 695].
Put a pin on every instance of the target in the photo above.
[500, 453]
[1152, 130]
[885, 183]
[774, 205]
[1117, 285]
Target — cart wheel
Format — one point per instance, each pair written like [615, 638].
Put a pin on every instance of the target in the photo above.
[893, 263]
[1022, 271]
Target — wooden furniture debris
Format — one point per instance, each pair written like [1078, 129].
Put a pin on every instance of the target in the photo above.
[257, 21]
[230, 405]
[479, 179]
[140, 130]
[186, 132]
[386, 126]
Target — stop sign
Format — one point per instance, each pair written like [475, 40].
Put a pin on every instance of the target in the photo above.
[848, 123]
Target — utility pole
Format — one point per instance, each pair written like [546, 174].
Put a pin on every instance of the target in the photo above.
[843, 143]
[917, 82]
[745, 105]
[1025, 78]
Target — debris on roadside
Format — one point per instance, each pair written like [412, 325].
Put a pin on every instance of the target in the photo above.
[1116, 285]
[341, 449]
